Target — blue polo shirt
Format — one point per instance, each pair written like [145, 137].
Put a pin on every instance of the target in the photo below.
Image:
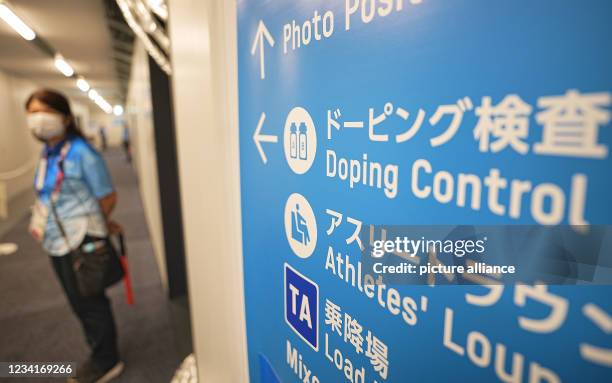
[86, 180]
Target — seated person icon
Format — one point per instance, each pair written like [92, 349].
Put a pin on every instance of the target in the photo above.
[299, 227]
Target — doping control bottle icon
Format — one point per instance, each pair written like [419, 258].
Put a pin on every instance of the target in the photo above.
[293, 141]
[300, 225]
[303, 139]
[300, 140]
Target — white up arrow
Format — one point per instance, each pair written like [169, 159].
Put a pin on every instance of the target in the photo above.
[259, 138]
[262, 32]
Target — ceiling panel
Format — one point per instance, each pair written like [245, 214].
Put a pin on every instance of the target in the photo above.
[78, 30]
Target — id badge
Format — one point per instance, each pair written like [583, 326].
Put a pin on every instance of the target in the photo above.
[38, 221]
[40, 175]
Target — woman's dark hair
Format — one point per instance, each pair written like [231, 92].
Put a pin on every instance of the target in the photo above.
[59, 102]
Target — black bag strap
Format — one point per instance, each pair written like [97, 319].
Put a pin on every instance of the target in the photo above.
[59, 225]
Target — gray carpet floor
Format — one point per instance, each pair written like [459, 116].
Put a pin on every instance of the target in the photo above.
[36, 323]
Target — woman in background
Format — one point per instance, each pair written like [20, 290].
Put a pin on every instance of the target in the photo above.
[73, 186]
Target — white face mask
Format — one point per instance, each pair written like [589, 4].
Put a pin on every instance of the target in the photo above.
[46, 125]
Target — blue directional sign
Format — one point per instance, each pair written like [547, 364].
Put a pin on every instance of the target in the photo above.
[484, 127]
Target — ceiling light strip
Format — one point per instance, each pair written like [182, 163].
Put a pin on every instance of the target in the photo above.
[148, 23]
[157, 55]
[15, 22]
[62, 65]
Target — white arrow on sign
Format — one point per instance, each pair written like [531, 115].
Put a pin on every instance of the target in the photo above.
[259, 138]
[262, 32]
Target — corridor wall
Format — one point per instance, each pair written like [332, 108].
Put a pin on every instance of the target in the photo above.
[139, 119]
[18, 151]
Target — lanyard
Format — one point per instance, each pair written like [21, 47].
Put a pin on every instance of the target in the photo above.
[42, 171]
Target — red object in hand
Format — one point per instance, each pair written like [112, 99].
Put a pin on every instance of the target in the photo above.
[129, 293]
[127, 281]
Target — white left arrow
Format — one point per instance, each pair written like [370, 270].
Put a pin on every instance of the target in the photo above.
[259, 138]
[262, 32]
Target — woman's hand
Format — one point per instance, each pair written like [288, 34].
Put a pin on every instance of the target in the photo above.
[107, 203]
[114, 227]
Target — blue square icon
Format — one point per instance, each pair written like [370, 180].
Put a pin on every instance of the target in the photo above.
[302, 306]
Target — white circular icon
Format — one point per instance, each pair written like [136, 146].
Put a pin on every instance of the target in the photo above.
[300, 140]
[300, 226]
